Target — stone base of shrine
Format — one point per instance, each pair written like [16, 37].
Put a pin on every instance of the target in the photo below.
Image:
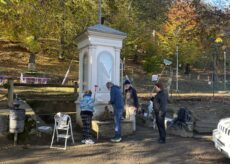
[105, 129]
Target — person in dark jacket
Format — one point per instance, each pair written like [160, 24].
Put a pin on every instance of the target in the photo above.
[131, 103]
[160, 109]
[116, 100]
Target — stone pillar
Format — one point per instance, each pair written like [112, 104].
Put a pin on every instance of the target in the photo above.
[32, 65]
[80, 70]
[92, 68]
[117, 66]
[10, 92]
[76, 86]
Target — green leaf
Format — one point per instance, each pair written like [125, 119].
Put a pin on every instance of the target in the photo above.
[3, 2]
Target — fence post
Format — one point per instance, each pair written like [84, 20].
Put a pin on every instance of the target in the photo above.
[10, 92]
[76, 88]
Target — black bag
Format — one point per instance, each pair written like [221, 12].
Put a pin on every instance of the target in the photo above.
[184, 115]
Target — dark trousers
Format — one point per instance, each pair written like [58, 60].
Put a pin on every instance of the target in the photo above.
[117, 122]
[160, 121]
[87, 124]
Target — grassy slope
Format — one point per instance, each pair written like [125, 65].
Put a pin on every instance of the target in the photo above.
[14, 60]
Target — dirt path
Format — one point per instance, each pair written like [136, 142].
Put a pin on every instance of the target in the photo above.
[139, 148]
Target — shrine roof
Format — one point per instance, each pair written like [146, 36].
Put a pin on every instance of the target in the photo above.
[105, 29]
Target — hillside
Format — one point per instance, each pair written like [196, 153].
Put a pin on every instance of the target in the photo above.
[14, 61]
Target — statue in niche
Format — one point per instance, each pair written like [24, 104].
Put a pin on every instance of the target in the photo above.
[105, 70]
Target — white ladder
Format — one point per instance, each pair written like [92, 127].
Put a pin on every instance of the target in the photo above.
[62, 123]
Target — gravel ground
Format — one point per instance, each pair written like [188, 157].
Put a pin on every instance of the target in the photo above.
[141, 147]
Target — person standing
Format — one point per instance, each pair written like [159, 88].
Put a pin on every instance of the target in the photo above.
[131, 102]
[160, 109]
[87, 109]
[116, 100]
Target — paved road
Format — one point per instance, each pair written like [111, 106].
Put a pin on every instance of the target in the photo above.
[139, 148]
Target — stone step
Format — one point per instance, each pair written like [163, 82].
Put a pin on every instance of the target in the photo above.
[104, 129]
[203, 129]
[206, 124]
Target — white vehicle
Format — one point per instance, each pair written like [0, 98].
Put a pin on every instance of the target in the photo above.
[221, 136]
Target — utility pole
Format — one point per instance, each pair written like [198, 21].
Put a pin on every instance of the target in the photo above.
[99, 11]
[178, 29]
[218, 43]
[62, 35]
[177, 65]
[224, 70]
[213, 73]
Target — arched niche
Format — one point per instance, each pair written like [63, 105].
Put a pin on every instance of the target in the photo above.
[105, 70]
[85, 75]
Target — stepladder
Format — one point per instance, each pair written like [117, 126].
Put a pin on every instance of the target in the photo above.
[62, 130]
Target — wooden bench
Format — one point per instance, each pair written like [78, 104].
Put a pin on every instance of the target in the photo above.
[34, 80]
[105, 129]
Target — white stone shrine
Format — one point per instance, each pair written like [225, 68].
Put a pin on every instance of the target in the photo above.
[99, 52]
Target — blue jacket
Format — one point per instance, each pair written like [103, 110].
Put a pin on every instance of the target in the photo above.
[87, 103]
[116, 98]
